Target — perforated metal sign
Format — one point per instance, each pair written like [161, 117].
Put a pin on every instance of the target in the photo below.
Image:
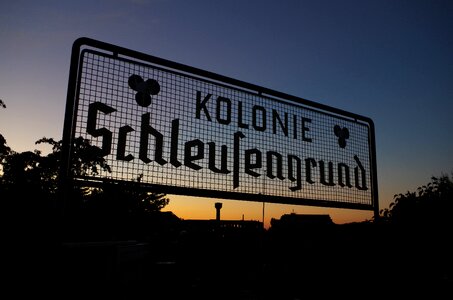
[189, 131]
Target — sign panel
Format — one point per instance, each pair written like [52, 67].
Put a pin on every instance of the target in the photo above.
[189, 131]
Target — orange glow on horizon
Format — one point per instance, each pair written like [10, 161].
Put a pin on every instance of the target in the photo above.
[201, 208]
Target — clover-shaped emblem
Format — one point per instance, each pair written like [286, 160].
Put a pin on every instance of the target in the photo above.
[342, 134]
[144, 89]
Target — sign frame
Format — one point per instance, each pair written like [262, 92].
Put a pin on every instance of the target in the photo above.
[84, 43]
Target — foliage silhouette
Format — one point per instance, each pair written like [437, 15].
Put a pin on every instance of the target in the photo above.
[32, 171]
[4, 149]
[29, 184]
[418, 229]
[430, 205]
[118, 211]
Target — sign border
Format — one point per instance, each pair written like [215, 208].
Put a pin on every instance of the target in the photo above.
[138, 57]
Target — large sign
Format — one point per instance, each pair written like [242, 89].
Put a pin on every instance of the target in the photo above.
[192, 132]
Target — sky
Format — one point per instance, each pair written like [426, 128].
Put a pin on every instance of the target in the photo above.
[391, 61]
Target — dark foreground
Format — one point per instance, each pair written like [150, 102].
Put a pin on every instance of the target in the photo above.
[353, 260]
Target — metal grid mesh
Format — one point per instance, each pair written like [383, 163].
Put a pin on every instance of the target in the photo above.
[253, 125]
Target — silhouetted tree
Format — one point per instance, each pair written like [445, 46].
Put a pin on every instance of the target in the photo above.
[430, 204]
[125, 211]
[419, 233]
[4, 149]
[32, 171]
[30, 181]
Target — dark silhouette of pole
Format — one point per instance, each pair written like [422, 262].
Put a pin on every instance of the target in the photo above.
[218, 206]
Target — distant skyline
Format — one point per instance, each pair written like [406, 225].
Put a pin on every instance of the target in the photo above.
[388, 60]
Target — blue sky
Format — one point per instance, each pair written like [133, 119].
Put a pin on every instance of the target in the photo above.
[391, 61]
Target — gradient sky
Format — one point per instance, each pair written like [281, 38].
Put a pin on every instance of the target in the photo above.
[390, 60]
